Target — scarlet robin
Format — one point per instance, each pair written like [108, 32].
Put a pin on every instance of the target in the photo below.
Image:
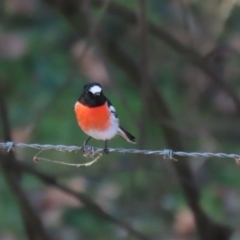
[97, 117]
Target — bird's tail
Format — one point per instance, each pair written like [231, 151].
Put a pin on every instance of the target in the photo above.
[126, 135]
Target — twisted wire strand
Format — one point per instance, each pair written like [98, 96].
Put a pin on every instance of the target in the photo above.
[166, 153]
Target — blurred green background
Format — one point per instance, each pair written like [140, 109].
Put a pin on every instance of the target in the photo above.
[171, 70]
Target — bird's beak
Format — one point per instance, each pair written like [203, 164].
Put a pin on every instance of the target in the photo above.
[97, 94]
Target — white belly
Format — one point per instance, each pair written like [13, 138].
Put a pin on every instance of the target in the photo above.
[106, 134]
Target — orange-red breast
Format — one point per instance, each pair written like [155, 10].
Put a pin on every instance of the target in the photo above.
[97, 117]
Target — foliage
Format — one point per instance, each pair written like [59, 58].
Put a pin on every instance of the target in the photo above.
[44, 62]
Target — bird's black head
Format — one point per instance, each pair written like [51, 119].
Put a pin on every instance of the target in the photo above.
[92, 95]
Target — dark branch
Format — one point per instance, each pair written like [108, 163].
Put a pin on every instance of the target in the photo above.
[49, 180]
[32, 223]
[75, 14]
[207, 228]
[189, 54]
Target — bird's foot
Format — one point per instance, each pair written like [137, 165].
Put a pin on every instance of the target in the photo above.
[87, 150]
[106, 150]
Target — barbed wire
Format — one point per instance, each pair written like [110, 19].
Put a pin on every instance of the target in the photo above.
[166, 153]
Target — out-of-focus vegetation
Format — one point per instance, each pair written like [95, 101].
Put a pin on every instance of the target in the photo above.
[50, 49]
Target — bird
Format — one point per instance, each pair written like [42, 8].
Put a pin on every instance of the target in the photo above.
[97, 117]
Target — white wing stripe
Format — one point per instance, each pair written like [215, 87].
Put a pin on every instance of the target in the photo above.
[112, 109]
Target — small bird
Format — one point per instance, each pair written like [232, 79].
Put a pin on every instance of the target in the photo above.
[97, 117]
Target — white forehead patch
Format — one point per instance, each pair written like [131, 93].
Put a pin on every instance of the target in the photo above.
[95, 89]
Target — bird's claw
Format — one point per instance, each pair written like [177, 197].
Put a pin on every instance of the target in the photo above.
[106, 150]
[88, 150]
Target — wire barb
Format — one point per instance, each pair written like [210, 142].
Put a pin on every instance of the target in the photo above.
[167, 153]
[10, 146]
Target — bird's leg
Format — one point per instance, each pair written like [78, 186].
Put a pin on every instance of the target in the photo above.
[87, 141]
[106, 147]
[84, 144]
